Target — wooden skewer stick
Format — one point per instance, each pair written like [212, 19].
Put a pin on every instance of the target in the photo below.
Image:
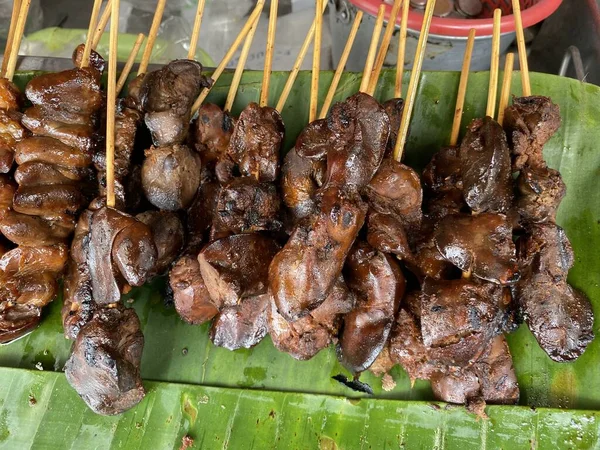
[239, 70]
[316, 66]
[196, 29]
[11, 35]
[414, 81]
[264, 92]
[401, 49]
[494, 67]
[383, 48]
[18, 35]
[129, 64]
[158, 13]
[111, 104]
[506, 82]
[297, 64]
[101, 25]
[341, 65]
[87, 49]
[366, 78]
[236, 43]
[462, 88]
[526, 85]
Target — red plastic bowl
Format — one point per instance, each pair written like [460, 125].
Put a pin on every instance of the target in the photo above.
[538, 11]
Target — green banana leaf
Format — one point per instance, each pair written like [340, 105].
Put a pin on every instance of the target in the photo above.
[263, 398]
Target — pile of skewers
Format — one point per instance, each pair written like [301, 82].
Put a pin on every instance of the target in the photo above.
[338, 242]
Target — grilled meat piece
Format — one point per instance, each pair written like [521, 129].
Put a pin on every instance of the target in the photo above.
[32, 231]
[455, 309]
[192, 300]
[529, 123]
[300, 180]
[95, 60]
[10, 95]
[396, 189]
[17, 320]
[485, 166]
[393, 108]
[42, 121]
[11, 131]
[168, 233]
[75, 91]
[247, 206]
[243, 325]
[307, 336]
[315, 140]
[167, 96]
[212, 132]
[171, 176]
[481, 244]
[200, 214]
[24, 261]
[379, 285]
[492, 378]
[121, 250]
[541, 190]
[559, 316]
[7, 192]
[104, 367]
[362, 129]
[256, 142]
[48, 200]
[35, 173]
[236, 267]
[51, 151]
[385, 232]
[302, 274]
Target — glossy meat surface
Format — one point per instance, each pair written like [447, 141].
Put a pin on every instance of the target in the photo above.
[481, 244]
[303, 273]
[243, 325]
[28, 230]
[255, 144]
[247, 206]
[11, 131]
[167, 97]
[362, 129]
[315, 140]
[10, 95]
[385, 232]
[168, 233]
[192, 300]
[104, 367]
[236, 267]
[171, 176]
[540, 191]
[48, 200]
[485, 166]
[379, 285]
[212, 132]
[307, 336]
[529, 123]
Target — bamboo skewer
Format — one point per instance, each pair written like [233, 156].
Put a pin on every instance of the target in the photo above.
[87, 49]
[239, 70]
[289, 84]
[101, 25]
[401, 49]
[526, 85]
[158, 13]
[111, 104]
[366, 78]
[18, 35]
[11, 35]
[341, 65]
[506, 82]
[316, 66]
[462, 88]
[196, 30]
[130, 61]
[414, 81]
[264, 92]
[494, 67]
[236, 43]
[383, 48]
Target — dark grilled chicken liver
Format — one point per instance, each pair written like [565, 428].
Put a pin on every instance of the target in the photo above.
[379, 285]
[104, 367]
